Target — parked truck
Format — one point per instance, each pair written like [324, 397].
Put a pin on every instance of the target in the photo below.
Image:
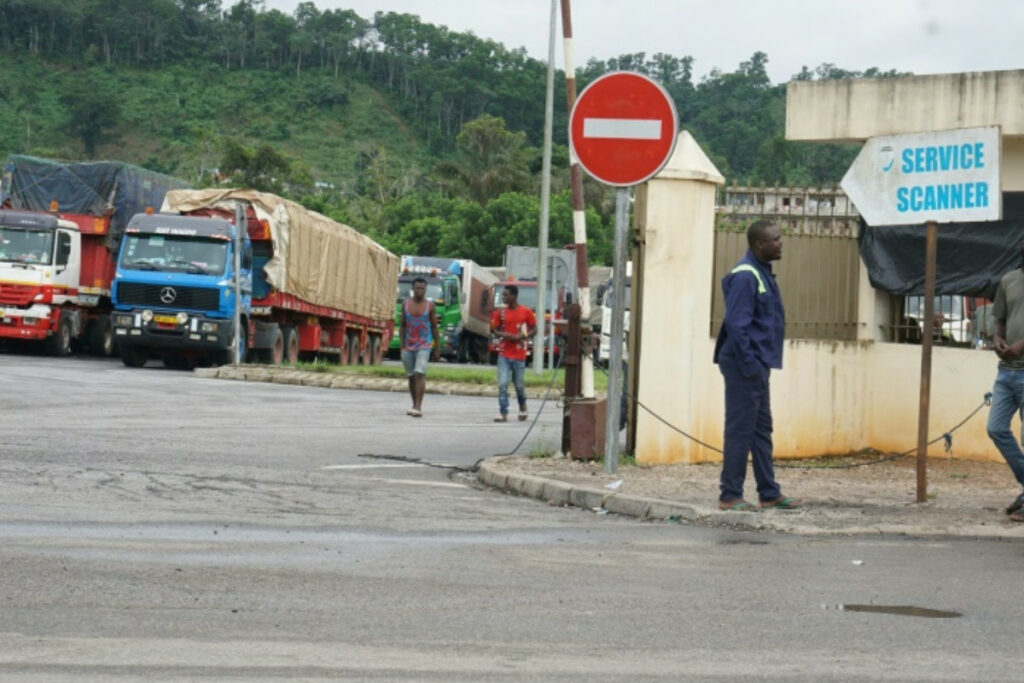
[560, 286]
[460, 290]
[59, 230]
[309, 287]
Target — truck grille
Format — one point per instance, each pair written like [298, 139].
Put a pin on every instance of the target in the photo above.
[17, 295]
[191, 298]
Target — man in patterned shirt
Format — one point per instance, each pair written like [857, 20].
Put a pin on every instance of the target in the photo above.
[419, 341]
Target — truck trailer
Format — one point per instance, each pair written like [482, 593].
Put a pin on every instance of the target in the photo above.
[460, 290]
[59, 230]
[310, 287]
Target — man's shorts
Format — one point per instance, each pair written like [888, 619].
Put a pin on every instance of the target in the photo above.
[415, 362]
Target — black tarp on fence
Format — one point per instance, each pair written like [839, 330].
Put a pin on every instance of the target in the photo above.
[970, 257]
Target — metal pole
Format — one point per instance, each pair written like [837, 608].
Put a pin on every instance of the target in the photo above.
[553, 297]
[545, 196]
[931, 241]
[236, 337]
[579, 221]
[611, 421]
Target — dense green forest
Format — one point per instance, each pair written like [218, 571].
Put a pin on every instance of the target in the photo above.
[424, 138]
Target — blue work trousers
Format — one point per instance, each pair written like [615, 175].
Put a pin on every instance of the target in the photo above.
[517, 370]
[1007, 399]
[748, 430]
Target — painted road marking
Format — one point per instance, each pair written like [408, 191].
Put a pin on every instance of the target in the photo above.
[622, 129]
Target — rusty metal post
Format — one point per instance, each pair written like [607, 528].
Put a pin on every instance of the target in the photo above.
[931, 240]
[571, 363]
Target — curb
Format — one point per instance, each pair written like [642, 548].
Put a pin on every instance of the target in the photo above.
[331, 380]
[600, 499]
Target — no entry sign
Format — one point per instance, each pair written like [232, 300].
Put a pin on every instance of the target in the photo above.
[623, 128]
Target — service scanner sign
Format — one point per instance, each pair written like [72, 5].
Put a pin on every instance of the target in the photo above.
[947, 176]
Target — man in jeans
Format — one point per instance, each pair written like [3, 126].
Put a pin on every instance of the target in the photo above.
[513, 325]
[1008, 392]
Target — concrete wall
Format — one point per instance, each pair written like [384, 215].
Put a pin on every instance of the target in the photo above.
[829, 398]
[860, 108]
[854, 110]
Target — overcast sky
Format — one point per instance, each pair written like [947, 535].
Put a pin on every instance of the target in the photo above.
[922, 36]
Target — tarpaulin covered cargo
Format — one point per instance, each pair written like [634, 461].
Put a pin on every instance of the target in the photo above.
[970, 257]
[95, 188]
[315, 258]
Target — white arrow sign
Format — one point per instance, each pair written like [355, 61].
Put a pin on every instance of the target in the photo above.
[947, 176]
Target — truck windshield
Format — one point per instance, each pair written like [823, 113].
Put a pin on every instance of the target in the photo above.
[174, 253]
[26, 246]
[527, 296]
[435, 290]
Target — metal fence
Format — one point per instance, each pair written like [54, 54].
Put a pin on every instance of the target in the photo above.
[817, 275]
[961, 321]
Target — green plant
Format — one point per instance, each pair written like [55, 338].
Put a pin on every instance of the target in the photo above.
[538, 451]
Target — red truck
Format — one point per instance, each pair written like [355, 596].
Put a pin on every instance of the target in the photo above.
[319, 289]
[60, 225]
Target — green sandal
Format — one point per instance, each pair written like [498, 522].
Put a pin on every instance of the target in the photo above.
[783, 503]
[737, 506]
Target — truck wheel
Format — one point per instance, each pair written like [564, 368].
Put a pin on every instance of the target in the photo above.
[101, 337]
[134, 356]
[463, 353]
[275, 353]
[291, 344]
[374, 355]
[352, 348]
[59, 344]
[223, 356]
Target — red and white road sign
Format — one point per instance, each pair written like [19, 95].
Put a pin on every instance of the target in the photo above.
[623, 128]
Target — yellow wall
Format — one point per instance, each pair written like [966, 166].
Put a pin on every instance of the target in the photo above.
[830, 398]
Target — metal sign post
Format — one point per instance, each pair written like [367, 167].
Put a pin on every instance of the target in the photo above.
[611, 423]
[931, 243]
[623, 130]
[240, 226]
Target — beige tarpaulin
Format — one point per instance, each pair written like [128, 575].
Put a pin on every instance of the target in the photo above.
[315, 258]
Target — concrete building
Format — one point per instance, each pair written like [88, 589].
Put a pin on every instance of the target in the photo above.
[832, 397]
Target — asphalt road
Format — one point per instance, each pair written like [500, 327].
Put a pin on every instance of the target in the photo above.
[157, 525]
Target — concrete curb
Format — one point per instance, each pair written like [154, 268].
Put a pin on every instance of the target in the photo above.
[332, 380]
[598, 498]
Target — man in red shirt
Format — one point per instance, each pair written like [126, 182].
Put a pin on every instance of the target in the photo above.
[513, 325]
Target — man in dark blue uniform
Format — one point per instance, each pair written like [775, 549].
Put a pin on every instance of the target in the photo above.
[749, 345]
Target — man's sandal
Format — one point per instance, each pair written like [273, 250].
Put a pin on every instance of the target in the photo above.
[1017, 504]
[737, 506]
[783, 503]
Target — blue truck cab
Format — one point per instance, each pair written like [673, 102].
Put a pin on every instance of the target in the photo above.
[173, 292]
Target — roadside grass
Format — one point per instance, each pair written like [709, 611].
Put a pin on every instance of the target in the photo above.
[443, 372]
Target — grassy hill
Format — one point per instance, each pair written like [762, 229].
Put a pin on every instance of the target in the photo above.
[176, 119]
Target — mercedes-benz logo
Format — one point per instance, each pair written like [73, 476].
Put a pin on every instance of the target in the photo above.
[168, 295]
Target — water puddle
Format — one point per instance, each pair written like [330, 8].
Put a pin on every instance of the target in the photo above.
[899, 610]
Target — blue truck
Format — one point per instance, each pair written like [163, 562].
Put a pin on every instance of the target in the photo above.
[308, 287]
[174, 290]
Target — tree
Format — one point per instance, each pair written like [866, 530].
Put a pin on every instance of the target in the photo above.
[92, 109]
[489, 160]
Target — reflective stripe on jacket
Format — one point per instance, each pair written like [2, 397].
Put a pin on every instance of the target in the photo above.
[755, 319]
